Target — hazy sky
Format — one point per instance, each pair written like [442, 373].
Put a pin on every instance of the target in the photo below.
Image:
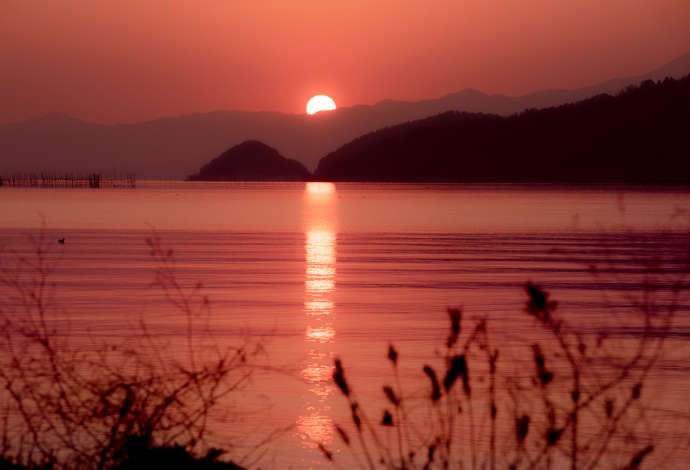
[134, 60]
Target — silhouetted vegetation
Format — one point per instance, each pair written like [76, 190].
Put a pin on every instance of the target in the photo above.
[638, 136]
[137, 454]
[579, 404]
[252, 161]
[75, 401]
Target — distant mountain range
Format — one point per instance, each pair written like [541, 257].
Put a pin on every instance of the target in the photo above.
[178, 146]
[641, 135]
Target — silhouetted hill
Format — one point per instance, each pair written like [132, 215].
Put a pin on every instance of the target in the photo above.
[252, 161]
[639, 136]
[176, 146]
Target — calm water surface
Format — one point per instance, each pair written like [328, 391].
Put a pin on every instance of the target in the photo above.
[319, 271]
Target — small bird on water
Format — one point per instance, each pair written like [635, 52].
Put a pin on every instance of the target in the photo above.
[61, 241]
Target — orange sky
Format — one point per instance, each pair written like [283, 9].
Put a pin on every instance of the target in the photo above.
[134, 60]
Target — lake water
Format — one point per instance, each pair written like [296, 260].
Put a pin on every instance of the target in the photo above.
[318, 271]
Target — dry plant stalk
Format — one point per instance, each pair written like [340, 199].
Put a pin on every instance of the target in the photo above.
[94, 404]
[578, 405]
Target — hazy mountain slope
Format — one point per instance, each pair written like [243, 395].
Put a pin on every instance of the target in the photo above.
[177, 146]
[638, 136]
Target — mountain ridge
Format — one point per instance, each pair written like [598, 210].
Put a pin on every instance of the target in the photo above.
[173, 147]
[635, 137]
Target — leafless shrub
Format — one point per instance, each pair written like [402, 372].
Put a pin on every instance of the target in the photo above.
[69, 403]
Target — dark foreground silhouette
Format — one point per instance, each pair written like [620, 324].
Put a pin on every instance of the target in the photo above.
[252, 161]
[140, 457]
[639, 136]
[476, 411]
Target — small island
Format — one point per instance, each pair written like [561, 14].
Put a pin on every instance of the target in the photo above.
[251, 161]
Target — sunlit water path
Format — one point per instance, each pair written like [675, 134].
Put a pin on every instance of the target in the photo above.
[320, 271]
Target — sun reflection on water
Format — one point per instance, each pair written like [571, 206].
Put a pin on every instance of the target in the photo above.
[320, 335]
[319, 286]
[315, 425]
[320, 187]
[318, 307]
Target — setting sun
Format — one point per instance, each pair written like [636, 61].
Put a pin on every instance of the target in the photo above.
[320, 103]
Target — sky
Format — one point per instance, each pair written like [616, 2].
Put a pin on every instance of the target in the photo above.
[113, 61]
